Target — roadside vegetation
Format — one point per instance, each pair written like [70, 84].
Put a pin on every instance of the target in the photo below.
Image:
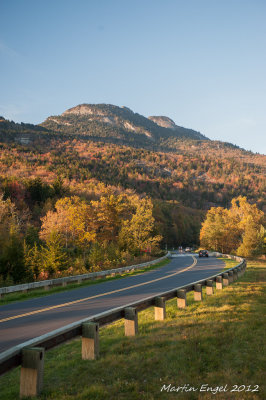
[228, 263]
[75, 237]
[237, 230]
[218, 342]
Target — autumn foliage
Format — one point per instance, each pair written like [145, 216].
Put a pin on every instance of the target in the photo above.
[238, 229]
[77, 236]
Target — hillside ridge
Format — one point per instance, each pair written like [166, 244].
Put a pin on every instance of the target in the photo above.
[108, 120]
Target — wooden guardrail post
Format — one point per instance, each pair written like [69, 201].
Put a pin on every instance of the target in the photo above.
[31, 375]
[225, 279]
[231, 276]
[244, 266]
[235, 275]
[90, 341]
[159, 309]
[209, 287]
[219, 282]
[181, 298]
[198, 292]
[131, 321]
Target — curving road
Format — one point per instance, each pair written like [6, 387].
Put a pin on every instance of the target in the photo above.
[28, 319]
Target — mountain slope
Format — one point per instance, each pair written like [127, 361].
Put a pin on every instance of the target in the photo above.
[177, 131]
[107, 120]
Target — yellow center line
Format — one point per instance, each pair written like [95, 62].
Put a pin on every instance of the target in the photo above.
[99, 295]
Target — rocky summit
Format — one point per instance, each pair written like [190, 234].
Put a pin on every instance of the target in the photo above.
[107, 120]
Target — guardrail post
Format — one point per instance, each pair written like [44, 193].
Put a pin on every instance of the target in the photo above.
[209, 287]
[181, 298]
[225, 279]
[159, 309]
[219, 282]
[198, 292]
[64, 283]
[131, 321]
[231, 276]
[90, 341]
[31, 375]
[244, 266]
[235, 275]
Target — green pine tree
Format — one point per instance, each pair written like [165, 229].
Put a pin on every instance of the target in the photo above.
[54, 258]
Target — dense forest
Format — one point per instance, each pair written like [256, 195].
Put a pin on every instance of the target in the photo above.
[112, 178]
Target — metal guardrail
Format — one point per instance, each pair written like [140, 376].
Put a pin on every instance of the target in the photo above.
[76, 278]
[13, 357]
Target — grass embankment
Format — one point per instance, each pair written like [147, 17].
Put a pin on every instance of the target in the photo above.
[19, 296]
[216, 342]
[228, 263]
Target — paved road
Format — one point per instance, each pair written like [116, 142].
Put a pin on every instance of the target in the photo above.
[28, 319]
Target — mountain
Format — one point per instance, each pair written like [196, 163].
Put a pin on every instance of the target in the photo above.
[110, 121]
[177, 131]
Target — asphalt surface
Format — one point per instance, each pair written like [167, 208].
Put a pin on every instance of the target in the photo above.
[51, 312]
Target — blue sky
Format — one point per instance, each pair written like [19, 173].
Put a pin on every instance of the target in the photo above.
[200, 62]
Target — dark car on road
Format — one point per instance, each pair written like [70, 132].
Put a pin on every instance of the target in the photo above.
[203, 253]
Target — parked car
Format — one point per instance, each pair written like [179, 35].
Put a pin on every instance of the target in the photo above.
[203, 253]
[187, 249]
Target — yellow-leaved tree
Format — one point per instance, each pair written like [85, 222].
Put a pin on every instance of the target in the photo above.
[236, 230]
[73, 220]
[137, 233]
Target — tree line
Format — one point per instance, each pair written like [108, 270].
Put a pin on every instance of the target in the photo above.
[76, 236]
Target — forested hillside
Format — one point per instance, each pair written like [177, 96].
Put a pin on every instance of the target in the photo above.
[100, 161]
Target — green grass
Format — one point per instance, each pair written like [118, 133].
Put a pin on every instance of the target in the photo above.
[218, 341]
[228, 263]
[14, 297]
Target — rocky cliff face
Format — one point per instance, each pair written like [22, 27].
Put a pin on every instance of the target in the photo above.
[165, 122]
[84, 109]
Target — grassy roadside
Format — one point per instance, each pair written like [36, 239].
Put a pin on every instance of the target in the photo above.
[216, 342]
[14, 297]
[228, 263]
